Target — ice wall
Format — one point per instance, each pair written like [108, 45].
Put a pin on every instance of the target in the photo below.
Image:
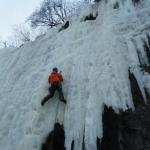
[94, 56]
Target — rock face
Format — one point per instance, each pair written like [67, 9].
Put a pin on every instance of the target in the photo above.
[125, 131]
[111, 130]
[55, 139]
[135, 130]
[129, 130]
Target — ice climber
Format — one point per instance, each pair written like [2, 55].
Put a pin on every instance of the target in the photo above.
[55, 80]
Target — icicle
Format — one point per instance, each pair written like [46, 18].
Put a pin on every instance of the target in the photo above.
[134, 66]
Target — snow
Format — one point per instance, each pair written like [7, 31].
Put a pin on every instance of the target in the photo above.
[94, 57]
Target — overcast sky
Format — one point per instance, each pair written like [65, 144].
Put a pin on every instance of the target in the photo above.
[14, 12]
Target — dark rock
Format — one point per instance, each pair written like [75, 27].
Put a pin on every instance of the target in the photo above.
[135, 90]
[90, 17]
[111, 122]
[135, 2]
[72, 145]
[55, 139]
[145, 68]
[147, 50]
[98, 142]
[136, 129]
[129, 130]
[65, 26]
[116, 5]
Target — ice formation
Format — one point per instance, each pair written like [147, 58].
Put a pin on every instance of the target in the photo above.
[95, 57]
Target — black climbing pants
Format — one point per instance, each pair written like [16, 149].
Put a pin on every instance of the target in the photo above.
[54, 87]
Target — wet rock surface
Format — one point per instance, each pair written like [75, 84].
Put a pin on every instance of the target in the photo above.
[128, 130]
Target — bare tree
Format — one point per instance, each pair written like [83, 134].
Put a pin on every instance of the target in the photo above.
[4, 44]
[51, 13]
[21, 35]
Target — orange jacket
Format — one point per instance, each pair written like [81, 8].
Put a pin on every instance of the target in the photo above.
[55, 77]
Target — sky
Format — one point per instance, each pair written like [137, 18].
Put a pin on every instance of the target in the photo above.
[13, 12]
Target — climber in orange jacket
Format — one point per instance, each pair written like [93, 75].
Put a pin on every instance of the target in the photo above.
[55, 80]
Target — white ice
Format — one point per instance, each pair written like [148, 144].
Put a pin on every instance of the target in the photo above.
[94, 57]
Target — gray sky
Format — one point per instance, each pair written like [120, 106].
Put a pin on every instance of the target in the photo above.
[14, 12]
